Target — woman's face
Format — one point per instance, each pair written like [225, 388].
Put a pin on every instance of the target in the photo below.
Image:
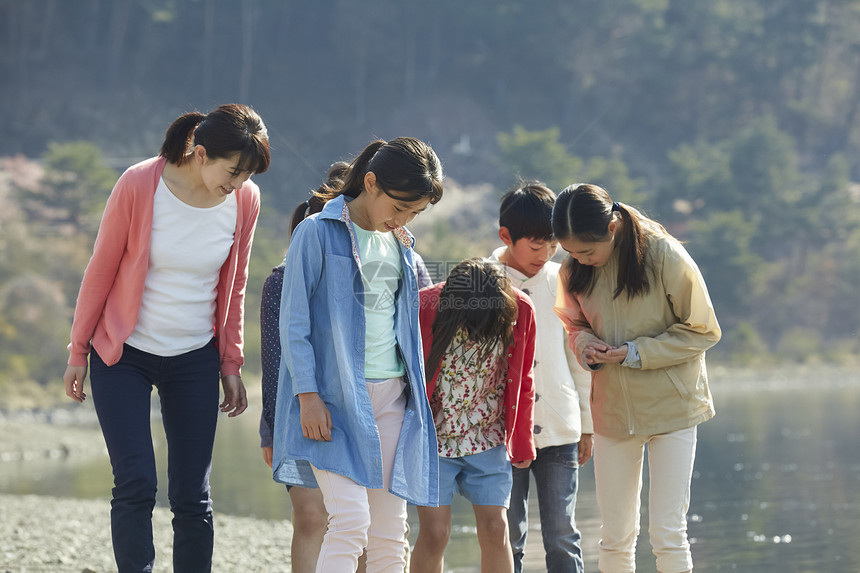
[221, 175]
[591, 253]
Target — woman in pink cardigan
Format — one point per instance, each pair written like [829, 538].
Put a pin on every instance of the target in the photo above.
[161, 305]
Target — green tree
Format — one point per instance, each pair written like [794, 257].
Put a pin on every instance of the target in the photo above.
[612, 175]
[75, 187]
[697, 180]
[743, 345]
[721, 246]
[832, 210]
[765, 177]
[755, 173]
[33, 331]
[538, 155]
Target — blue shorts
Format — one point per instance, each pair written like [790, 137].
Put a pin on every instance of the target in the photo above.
[483, 479]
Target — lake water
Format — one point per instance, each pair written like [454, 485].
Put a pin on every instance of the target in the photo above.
[776, 484]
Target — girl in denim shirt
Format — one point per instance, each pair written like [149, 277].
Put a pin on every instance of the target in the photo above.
[351, 397]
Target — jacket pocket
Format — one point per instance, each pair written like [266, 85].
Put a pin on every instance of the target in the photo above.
[677, 382]
[339, 277]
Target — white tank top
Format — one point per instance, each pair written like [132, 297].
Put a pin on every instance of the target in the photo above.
[187, 249]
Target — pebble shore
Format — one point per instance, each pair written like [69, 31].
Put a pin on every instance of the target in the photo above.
[57, 535]
[40, 534]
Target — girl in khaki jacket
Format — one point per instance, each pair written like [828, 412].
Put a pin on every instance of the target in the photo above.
[639, 316]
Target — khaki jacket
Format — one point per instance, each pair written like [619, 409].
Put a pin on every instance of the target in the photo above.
[672, 326]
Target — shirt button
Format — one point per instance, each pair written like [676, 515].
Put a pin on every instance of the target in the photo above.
[537, 429]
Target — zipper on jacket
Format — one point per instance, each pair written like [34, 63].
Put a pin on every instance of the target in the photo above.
[622, 375]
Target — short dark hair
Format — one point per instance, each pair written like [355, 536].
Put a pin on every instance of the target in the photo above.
[526, 211]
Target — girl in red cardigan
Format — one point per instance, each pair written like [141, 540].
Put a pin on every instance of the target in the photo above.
[161, 306]
[478, 337]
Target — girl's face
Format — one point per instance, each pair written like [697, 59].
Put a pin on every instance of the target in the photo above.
[385, 213]
[220, 176]
[591, 253]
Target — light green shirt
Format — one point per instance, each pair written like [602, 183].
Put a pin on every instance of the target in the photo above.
[381, 272]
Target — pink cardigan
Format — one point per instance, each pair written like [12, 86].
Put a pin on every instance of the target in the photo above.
[112, 287]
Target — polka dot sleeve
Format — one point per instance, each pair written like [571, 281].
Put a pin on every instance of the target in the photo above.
[270, 348]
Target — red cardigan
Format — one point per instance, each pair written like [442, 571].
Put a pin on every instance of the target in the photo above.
[113, 283]
[519, 390]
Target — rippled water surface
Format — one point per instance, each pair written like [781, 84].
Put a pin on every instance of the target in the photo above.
[777, 481]
[776, 484]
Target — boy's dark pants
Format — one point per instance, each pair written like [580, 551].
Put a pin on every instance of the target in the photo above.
[556, 471]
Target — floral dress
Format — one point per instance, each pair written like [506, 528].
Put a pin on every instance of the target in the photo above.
[468, 401]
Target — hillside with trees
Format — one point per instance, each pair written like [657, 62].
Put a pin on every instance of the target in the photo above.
[735, 122]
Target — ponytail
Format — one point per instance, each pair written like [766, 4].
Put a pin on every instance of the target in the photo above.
[632, 267]
[304, 209]
[178, 137]
[298, 215]
[352, 182]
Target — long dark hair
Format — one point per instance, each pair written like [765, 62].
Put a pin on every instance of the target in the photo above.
[227, 130]
[404, 165]
[315, 203]
[583, 212]
[478, 298]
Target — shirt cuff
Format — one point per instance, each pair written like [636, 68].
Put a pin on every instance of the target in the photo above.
[632, 360]
[304, 384]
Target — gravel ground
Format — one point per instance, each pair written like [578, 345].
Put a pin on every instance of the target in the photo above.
[69, 535]
[61, 535]
[47, 534]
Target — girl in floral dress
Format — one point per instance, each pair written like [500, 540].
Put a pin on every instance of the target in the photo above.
[478, 338]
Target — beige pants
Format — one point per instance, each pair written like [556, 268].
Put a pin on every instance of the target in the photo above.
[618, 480]
[361, 517]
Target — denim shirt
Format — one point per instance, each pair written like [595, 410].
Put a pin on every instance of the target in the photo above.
[322, 327]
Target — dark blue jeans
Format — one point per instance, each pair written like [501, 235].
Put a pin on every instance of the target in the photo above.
[188, 388]
[556, 469]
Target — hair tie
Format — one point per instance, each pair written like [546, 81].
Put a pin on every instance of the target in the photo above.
[615, 206]
[200, 119]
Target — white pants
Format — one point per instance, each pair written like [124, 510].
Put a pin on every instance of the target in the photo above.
[360, 517]
[618, 480]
